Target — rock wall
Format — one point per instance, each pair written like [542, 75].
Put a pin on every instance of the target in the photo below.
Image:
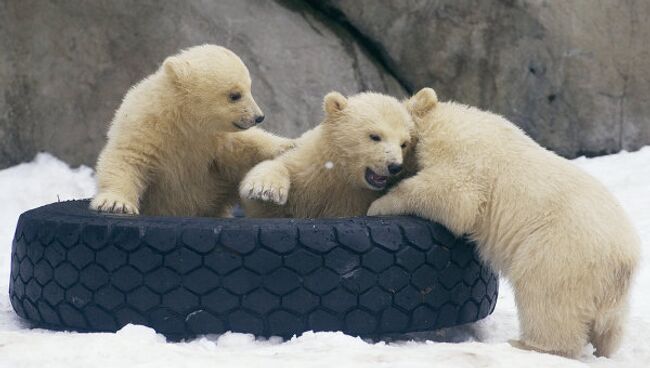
[574, 74]
[65, 65]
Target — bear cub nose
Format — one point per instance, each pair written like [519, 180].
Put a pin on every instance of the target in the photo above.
[394, 168]
[259, 119]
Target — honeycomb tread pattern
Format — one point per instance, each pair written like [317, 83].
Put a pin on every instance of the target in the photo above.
[370, 276]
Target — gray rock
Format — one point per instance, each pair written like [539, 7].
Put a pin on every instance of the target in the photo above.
[574, 74]
[65, 65]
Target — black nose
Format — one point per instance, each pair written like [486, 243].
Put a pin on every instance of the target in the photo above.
[394, 168]
[259, 119]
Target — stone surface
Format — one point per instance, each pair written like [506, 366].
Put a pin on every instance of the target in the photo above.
[574, 74]
[64, 66]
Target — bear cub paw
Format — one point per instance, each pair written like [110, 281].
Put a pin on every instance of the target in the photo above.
[268, 188]
[389, 204]
[108, 202]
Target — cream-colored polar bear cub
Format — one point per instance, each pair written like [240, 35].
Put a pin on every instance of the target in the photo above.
[180, 142]
[554, 231]
[337, 168]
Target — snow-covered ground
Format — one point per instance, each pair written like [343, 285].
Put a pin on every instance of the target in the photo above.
[47, 179]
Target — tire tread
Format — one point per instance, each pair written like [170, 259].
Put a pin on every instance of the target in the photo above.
[75, 269]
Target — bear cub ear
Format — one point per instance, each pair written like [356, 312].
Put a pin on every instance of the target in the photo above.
[422, 102]
[334, 103]
[177, 69]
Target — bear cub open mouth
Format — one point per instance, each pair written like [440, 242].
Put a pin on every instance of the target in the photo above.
[375, 180]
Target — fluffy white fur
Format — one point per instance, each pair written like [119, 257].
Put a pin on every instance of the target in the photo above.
[325, 175]
[555, 232]
[179, 144]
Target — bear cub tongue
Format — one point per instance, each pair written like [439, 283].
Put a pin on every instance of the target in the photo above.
[375, 179]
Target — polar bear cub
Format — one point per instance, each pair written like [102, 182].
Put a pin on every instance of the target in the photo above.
[337, 168]
[180, 142]
[563, 241]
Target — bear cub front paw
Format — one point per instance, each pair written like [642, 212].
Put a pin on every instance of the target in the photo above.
[268, 188]
[386, 205]
[109, 202]
[286, 145]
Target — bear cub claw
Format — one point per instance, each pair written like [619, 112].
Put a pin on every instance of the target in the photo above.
[267, 189]
[107, 202]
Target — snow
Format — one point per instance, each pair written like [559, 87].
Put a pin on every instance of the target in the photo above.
[47, 179]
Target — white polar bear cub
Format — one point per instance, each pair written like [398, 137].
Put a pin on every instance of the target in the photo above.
[180, 142]
[338, 168]
[554, 231]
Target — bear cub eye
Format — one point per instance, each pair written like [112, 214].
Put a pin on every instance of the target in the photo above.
[235, 96]
[375, 137]
[403, 145]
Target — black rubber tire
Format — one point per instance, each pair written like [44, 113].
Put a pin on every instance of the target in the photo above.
[72, 268]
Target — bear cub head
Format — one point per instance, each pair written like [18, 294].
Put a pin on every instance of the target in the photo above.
[214, 88]
[371, 133]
